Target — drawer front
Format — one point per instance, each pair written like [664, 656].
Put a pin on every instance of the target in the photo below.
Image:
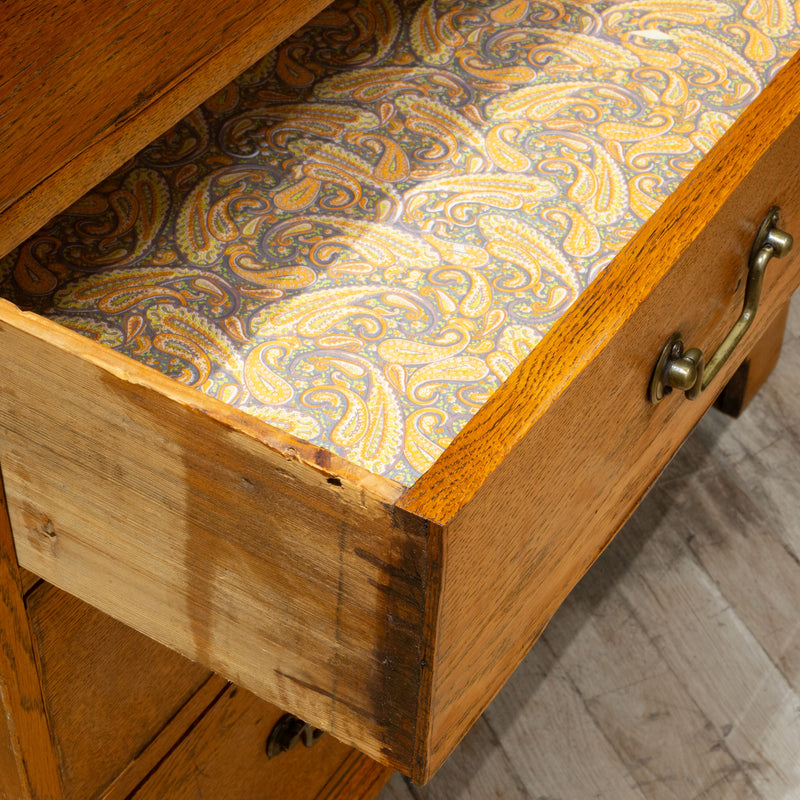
[108, 690]
[224, 755]
[589, 444]
[132, 719]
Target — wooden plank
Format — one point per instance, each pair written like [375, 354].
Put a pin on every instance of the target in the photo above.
[224, 755]
[168, 738]
[12, 784]
[476, 770]
[28, 580]
[396, 789]
[277, 568]
[734, 682]
[606, 650]
[34, 774]
[734, 542]
[93, 49]
[644, 709]
[573, 422]
[358, 778]
[108, 689]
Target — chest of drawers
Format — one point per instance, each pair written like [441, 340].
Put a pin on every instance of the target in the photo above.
[387, 612]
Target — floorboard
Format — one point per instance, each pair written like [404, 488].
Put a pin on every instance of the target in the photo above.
[673, 669]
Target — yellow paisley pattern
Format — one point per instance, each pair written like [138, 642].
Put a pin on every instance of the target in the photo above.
[360, 238]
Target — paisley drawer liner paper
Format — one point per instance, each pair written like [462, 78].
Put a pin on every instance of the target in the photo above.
[359, 238]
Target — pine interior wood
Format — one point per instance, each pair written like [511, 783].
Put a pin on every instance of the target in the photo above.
[107, 689]
[157, 60]
[26, 748]
[169, 512]
[319, 586]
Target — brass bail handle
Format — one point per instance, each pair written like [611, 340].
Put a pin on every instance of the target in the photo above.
[688, 370]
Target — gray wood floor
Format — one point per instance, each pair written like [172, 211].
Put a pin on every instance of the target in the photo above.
[673, 670]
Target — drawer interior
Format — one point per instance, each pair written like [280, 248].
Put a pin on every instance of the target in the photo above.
[361, 237]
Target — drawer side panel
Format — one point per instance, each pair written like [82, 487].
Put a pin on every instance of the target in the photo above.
[294, 580]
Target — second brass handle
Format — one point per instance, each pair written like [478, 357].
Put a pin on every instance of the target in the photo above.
[688, 370]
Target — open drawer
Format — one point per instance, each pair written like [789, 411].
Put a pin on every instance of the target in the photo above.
[384, 607]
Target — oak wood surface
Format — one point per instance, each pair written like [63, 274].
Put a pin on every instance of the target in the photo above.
[300, 576]
[224, 755]
[358, 778]
[28, 580]
[108, 689]
[27, 752]
[63, 61]
[171, 513]
[751, 374]
[541, 478]
[166, 740]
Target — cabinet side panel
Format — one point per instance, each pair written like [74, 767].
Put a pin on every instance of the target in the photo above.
[290, 578]
[528, 532]
[27, 758]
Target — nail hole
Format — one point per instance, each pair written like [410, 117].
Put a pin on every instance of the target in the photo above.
[335, 481]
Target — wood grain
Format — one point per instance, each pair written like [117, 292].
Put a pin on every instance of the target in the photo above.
[108, 689]
[34, 775]
[224, 755]
[642, 706]
[28, 580]
[738, 687]
[171, 513]
[734, 533]
[477, 770]
[541, 715]
[546, 496]
[358, 778]
[725, 517]
[157, 60]
[303, 578]
[167, 739]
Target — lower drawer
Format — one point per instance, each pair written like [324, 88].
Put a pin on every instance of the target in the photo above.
[108, 690]
[223, 756]
[130, 718]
